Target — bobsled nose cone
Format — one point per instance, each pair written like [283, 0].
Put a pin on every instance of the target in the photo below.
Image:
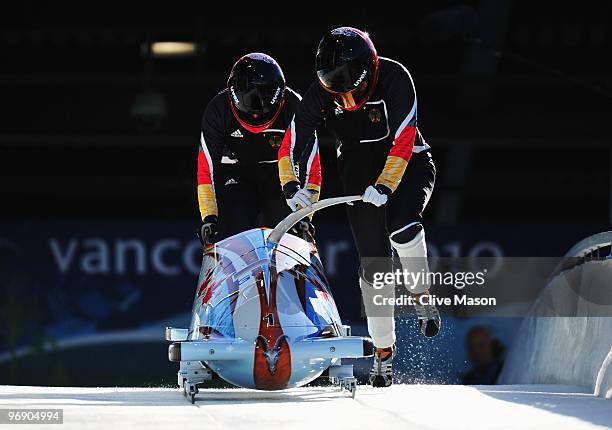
[368, 347]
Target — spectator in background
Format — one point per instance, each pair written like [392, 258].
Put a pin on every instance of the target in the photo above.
[485, 353]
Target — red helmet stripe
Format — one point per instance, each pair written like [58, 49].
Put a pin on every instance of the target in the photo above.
[256, 128]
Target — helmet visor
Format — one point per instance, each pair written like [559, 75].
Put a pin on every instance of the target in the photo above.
[342, 79]
[258, 105]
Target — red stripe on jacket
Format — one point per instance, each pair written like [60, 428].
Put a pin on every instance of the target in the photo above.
[285, 148]
[314, 175]
[404, 143]
[204, 176]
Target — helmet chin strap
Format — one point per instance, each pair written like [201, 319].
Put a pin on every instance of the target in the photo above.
[257, 128]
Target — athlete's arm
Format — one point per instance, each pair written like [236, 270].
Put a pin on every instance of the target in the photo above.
[300, 147]
[402, 123]
[311, 165]
[209, 158]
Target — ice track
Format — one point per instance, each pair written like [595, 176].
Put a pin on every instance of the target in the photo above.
[400, 407]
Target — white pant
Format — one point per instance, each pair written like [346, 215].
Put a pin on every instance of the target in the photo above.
[381, 322]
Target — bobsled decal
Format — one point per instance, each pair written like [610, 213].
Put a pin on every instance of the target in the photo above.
[272, 368]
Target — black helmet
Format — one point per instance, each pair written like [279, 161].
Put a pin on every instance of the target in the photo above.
[256, 88]
[347, 66]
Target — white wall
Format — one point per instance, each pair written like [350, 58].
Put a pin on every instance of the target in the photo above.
[565, 338]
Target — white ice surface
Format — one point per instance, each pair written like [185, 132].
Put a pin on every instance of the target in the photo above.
[399, 407]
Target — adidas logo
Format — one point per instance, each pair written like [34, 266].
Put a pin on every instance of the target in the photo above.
[231, 181]
[237, 133]
[338, 111]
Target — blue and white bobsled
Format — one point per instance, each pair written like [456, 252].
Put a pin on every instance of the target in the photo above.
[264, 316]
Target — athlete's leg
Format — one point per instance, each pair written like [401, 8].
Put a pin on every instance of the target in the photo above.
[406, 232]
[405, 209]
[359, 169]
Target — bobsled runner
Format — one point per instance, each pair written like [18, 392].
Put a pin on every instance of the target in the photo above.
[264, 316]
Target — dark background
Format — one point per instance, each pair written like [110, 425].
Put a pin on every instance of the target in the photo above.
[514, 98]
[98, 138]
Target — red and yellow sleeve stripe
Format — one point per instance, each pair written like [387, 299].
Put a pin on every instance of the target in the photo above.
[286, 165]
[207, 201]
[286, 172]
[313, 172]
[398, 158]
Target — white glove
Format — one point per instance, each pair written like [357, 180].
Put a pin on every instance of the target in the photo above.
[301, 199]
[372, 195]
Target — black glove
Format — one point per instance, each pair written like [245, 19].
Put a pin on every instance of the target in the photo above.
[304, 230]
[290, 189]
[208, 230]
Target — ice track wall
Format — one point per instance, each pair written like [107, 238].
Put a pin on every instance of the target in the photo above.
[567, 336]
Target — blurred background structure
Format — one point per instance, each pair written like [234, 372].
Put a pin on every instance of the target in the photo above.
[100, 122]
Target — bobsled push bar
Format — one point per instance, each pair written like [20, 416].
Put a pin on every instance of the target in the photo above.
[292, 219]
[229, 350]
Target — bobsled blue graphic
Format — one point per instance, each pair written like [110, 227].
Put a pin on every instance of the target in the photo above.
[264, 316]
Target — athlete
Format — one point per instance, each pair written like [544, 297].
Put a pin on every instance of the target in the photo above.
[369, 103]
[242, 130]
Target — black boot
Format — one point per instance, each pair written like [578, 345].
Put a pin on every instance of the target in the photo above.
[381, 374]
[429, 319]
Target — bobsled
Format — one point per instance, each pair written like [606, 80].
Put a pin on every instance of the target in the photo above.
[264, 316]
